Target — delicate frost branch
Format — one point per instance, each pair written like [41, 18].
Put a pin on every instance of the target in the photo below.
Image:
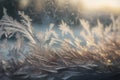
[11, 25]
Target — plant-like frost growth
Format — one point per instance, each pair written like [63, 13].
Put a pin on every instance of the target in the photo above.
[97, 46]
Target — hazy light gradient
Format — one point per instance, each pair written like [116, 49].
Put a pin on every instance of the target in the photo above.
[111, 6]
[102, 5]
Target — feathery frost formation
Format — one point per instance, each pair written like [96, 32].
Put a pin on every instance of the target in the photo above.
[97, 46]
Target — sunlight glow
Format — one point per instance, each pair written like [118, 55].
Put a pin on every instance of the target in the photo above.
[112, 6]
[102, 5]
[23, 3]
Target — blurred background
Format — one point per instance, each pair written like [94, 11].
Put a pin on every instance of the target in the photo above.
[44, 12]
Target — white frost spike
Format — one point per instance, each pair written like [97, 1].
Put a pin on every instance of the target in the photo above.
[66, 29]
[12, 25]
[51, 26]
[4, 11]
[26, 21]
